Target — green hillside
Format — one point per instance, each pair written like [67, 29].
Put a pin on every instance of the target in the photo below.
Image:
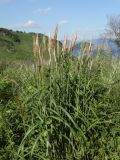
[16, 45]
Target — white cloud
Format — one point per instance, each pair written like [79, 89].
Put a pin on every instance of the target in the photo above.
[62, 22]
[29, 24]
[43, 10]
[26, 24]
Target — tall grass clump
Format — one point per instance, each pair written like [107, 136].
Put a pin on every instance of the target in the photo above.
[66, 109]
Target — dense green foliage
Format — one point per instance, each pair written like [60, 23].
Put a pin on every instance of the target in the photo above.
[70, 112]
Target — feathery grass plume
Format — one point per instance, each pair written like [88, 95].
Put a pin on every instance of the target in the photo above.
[54, 53]
[85, 53]
[86, 49]
[34, 52]
[55, 44]
[56, 32]
[58, 51]
[53, 39]
[64, 47]
[44, 42]
[37, 54]
[98, 50]
[88, 55]
[36, 46]
[49, 49]
[65, 43]
[73, 41]
[90, 47]
[52, 47]
[89, 51]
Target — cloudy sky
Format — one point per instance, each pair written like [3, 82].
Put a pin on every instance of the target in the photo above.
[86, 17]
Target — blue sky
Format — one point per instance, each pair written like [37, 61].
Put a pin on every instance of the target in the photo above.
[86, 17]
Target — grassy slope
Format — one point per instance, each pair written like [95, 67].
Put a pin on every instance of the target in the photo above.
[23, 50]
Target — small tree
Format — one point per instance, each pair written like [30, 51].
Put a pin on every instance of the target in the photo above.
[113, 28]
[15, 38]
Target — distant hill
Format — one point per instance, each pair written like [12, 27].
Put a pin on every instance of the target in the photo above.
[17, 45]
[111, 44]
[105, 43]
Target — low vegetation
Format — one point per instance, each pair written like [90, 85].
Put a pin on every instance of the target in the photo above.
[67, 109]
